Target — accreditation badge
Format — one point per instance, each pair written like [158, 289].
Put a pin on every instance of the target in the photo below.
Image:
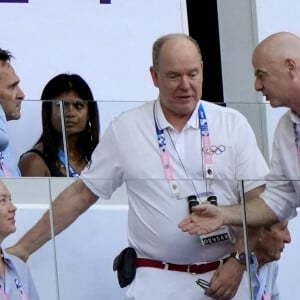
[218, 236]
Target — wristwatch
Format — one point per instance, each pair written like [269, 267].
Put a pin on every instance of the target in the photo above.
[240, 257]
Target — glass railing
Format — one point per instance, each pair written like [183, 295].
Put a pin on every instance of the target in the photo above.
[87, 248]
[84, 252]
[261, 117]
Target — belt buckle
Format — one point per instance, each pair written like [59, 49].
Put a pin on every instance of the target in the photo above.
[166, 265]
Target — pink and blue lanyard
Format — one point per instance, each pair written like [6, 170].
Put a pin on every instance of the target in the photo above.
[2, 166]
[165, 156]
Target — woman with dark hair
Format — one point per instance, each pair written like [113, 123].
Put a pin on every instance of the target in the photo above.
[70, 94]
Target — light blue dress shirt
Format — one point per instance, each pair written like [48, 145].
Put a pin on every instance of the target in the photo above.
[6, 152]
[17, 280]
[263, 282]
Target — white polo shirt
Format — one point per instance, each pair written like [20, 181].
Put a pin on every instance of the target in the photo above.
[282, 192]
[128, 152]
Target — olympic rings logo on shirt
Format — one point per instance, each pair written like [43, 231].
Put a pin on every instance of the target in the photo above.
[217, 150]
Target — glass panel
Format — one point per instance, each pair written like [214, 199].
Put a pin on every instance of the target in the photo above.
[277, 245]
[32, 197]
[84, 252]
[86, 249]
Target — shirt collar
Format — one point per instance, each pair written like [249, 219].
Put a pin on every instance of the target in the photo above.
[6, 257]
[294, 117]
[193, 121]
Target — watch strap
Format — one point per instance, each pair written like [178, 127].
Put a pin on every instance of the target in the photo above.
[240, 257]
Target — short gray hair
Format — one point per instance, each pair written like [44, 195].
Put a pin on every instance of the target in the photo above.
[157, 45]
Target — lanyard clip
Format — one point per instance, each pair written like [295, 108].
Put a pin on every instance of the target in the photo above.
[209, 171]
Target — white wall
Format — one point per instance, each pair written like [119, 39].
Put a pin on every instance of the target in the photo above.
[238, 36]
[108, 44]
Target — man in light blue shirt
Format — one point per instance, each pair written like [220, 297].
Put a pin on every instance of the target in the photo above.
[10, 109]
[264, 269]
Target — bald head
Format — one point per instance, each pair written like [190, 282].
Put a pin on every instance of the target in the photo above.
[278, 46]
[276, 63]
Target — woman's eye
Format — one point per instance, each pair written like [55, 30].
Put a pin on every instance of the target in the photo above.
[78, 105]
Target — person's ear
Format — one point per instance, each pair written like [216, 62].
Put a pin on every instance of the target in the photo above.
[154, 76]
[291, 65]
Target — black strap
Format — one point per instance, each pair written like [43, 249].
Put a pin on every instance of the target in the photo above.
[54, 171]
[40, 153]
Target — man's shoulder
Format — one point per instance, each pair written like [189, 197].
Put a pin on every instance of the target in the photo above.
[288, 117]
[222, 109]
[269, 269]
[285, 121]
[138, 111]
[218, 106]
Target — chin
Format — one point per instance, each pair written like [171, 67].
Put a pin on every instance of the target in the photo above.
[13, 228]
[16, 117]
[274, 105]
[277, 257]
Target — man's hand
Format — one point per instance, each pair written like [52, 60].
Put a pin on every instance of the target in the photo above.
[226, 280]
[204, 219]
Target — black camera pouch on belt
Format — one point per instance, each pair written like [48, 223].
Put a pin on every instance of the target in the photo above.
[125, 264]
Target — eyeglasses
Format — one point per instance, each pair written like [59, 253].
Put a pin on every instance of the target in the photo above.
[203, 283]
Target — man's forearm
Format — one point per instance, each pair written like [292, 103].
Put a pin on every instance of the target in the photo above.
[257, 214]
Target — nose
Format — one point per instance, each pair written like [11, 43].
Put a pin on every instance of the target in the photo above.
[12, 207]
[69, 109]
[20, 94]
[184, 82]
[287, 236]
[258, 85]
